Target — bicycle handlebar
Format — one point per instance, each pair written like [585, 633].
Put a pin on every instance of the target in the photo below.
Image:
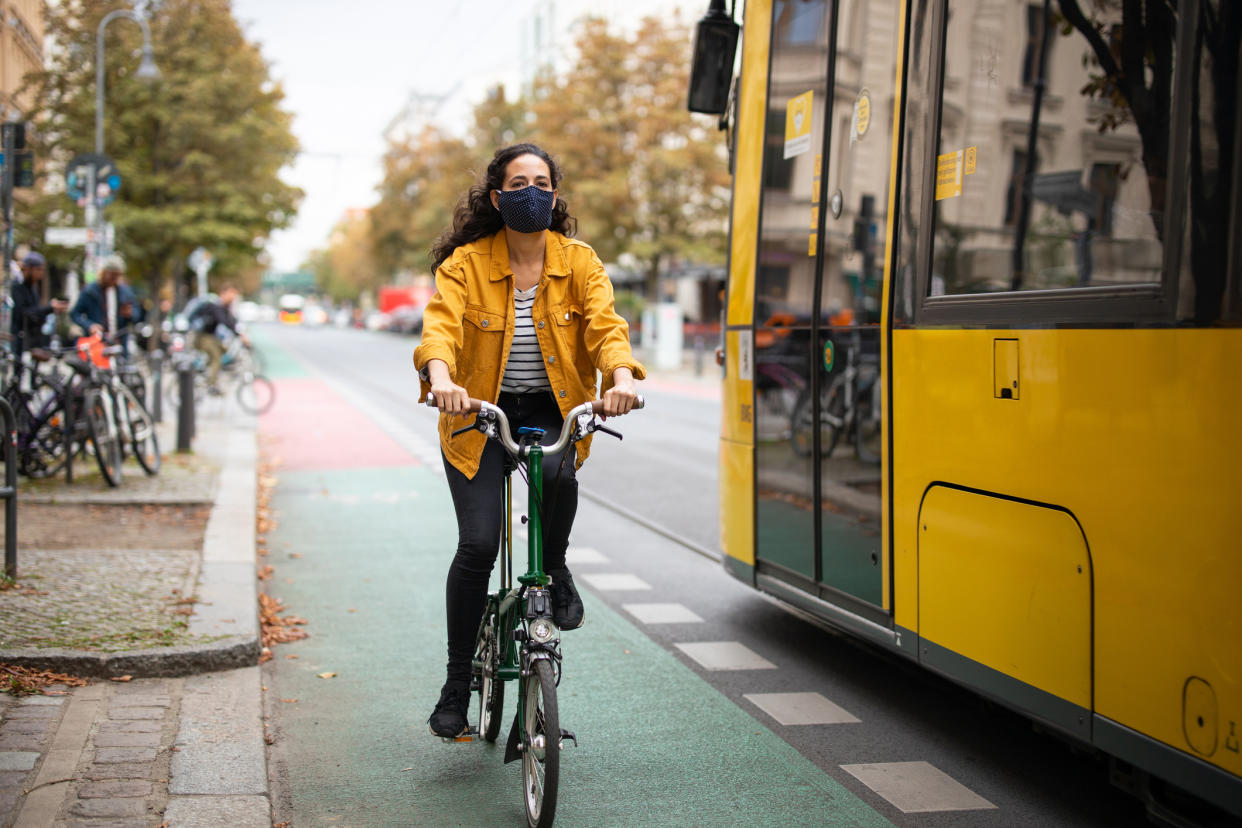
[494, 414]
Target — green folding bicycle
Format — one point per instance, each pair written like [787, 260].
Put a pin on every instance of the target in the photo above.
[517, 639]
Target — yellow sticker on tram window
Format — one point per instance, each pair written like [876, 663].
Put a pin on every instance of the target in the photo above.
[968, 161]
[949, 175]
[862, 114]
[798, 124]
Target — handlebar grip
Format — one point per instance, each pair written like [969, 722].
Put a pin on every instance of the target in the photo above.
[473, 405]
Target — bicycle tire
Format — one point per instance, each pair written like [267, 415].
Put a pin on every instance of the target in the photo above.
[541, 744]
[172, 390]
[255, 394]
[491, 690]
[142, 436]
[832, 418]
[102, 433]
[868, 429]
[43, 453]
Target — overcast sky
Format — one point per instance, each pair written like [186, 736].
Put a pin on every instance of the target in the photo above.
[349, 67]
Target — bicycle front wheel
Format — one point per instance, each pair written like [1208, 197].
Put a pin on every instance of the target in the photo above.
[255, 394]
[541, 741]
[104, 437]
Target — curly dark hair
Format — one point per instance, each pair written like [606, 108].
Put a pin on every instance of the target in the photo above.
[474, 216]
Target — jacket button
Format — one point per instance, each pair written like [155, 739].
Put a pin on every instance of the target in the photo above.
[551, 360]
[562, 392]
[566, 316]
[484, 323]
[541, 326]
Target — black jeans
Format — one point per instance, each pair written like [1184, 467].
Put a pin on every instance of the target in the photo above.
[479, 504]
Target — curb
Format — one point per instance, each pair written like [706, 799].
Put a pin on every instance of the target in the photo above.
[227, 611]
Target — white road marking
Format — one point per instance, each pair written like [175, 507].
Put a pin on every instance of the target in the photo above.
[800, 708]
[725, 655]
[662, 613]
[614, 581]
[917, 787]
[584, 555]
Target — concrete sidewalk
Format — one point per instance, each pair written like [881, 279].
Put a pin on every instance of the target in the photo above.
[165, 734]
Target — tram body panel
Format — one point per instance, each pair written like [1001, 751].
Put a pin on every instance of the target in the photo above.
[1127, 431]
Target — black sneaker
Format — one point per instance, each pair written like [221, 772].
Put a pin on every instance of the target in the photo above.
[448, 720]
[567, 610]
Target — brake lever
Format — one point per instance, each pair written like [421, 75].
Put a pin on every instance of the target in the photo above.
[471, 427]
[607, 430]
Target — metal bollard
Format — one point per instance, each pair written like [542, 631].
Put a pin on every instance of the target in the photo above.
[157, 384]
[9, 492]
[185, 413]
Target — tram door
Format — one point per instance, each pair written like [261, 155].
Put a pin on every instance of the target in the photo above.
[818, 410]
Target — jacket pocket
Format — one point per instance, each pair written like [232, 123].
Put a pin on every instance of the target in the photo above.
[568, 313]
[485, 320]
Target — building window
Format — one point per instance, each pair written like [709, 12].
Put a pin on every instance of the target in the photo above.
[1034, 33]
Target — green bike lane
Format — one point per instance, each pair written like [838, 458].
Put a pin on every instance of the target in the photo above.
[363, 538]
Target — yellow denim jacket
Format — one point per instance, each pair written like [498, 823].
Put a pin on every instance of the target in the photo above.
[469, 324]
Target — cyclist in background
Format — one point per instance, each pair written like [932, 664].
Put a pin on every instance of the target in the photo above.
[523, 317]
[206, 323]
[107, 305]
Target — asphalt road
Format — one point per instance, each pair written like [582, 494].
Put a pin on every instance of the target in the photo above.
[898, 720]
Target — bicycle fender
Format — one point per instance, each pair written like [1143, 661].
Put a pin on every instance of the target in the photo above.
[512, 754]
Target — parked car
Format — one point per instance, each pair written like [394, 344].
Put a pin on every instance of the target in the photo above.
[406, 319]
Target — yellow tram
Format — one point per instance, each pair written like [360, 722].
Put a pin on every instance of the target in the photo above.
[982, 345]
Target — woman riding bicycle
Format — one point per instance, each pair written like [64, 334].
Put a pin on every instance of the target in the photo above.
[523, 316]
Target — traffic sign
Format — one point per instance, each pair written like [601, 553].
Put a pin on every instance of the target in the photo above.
[67, 236]
[200, 261]
[107, 178]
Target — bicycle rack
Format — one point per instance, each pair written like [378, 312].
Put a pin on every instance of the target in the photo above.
[9, 490]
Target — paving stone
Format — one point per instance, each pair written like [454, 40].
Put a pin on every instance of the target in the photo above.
[124, 740]
[12, 779]
[8, 802]
[109, 808]
[130, 726]
[130, 713]
[32, 712]
[106, 823]
[141, 701]
[108, 756]
[214, 811]
[22, 741]
[17, 760]
[46, 701]
[26, 726]
[114, 789]
[119, 770]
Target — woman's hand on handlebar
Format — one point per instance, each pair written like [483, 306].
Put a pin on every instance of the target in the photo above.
[620, 398]
[448, 396]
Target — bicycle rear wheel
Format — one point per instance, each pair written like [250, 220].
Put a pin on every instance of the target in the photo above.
[41, 446]
[104, 437]
[541, 744]
[491, 689]
[141, 432]
[255, 393]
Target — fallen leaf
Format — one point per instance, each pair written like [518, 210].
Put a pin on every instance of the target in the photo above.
[123, 678]
[265, 572]
[351, 609]
[290, 701]
[295, 554]
[403, 770]
[326, 675]
[291, 656]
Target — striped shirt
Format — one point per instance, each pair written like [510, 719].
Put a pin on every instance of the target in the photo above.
[524, 371]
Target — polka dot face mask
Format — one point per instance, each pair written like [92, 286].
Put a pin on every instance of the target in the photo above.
[527, 210]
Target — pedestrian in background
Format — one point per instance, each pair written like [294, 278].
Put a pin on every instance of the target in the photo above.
[523, 317]
[29, 312]
[107, 305]
[208, 321]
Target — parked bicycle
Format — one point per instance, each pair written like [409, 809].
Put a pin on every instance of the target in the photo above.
[517, 638]
[241, 376]
[849, 406]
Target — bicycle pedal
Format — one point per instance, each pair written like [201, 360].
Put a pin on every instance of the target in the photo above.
[468, 736]
[565, 734]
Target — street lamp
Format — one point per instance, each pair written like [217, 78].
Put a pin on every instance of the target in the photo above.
[147, 70]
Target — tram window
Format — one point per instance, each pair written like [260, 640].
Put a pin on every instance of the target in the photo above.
[777, 171]
[1090, 209]
[798, 22]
